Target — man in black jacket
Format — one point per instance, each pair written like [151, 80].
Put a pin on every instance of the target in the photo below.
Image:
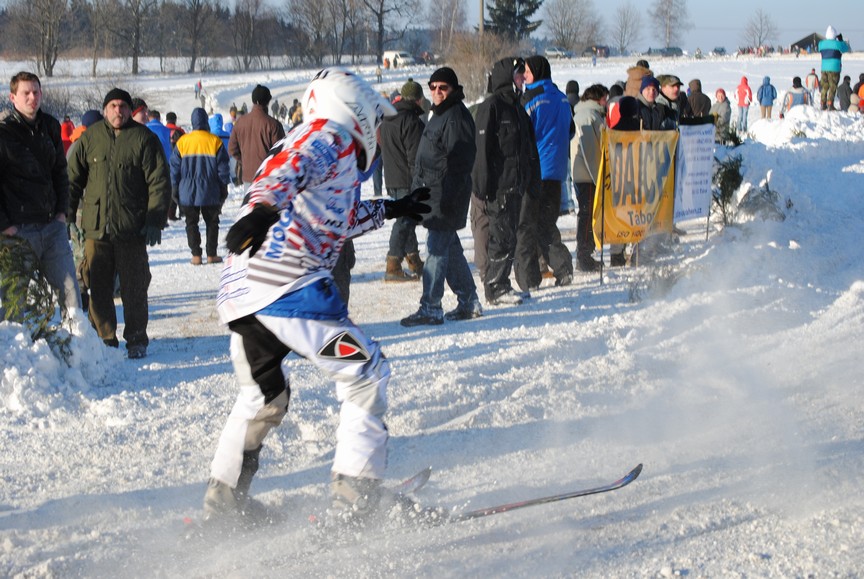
[506, 170]
[34, 187]
[400, 137]
[444, 161]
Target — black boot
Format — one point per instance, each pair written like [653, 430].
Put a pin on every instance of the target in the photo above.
[247, 473]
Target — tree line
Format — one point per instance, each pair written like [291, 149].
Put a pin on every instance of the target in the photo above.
[254, 34]
[286, 33]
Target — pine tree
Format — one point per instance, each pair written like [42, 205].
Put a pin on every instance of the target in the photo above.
[28, 297]
[511, 18]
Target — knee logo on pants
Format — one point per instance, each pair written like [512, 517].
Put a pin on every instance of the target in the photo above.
[344, 347]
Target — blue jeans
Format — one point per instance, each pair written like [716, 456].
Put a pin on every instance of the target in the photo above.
[50, 244]
[446, 262]
[742, 119]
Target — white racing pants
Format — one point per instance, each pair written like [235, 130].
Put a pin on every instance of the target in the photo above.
[259, 343]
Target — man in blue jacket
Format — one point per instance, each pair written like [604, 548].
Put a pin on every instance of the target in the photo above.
[199, 179]
[832, 49]
[552, 118]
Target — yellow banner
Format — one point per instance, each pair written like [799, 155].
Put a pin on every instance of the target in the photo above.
[635, 196]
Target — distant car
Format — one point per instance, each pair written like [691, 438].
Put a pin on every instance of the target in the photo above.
[718, 51]
[556, 52]
[671, 51]
[397, 58]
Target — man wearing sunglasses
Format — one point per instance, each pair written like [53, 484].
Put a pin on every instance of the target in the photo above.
[443, 163]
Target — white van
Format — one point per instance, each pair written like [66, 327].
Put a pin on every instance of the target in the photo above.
[397, 58]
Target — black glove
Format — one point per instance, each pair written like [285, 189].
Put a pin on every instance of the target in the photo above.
[250, 231]
[152, 234]
[409, 206]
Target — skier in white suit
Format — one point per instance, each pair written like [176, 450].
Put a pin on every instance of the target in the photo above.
[277, 294]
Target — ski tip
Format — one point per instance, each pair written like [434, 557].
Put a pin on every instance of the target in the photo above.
[633, 474]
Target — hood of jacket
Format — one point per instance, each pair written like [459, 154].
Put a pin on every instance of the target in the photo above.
[744, 80]
[695, 85]
[539, 67]
[766, 81]
[200, 122]
[216, 124]
[501, 77]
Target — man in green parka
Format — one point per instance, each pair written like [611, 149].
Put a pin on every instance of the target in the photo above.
[119, 178]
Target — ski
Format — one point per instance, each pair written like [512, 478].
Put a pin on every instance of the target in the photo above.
[479, 513]
[413, 483]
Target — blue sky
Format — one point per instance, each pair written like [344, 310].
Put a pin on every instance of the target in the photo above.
[721, 23]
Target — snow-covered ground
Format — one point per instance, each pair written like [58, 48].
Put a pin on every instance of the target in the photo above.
[739, 390]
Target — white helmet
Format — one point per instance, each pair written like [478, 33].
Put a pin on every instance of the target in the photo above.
[343, 97]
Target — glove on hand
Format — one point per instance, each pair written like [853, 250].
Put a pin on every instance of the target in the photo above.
[250, 231]
[152, 234]
[409, 206]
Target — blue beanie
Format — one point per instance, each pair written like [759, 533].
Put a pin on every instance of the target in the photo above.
[91, 117]
[649, 80]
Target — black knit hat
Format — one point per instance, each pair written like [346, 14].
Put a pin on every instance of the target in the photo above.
[261, 95]
[116, 94]
[572, 87]
[539, 67]
[445, 74]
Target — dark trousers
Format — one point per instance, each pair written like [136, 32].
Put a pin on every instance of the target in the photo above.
[342, 270]
[480, 233]
[552, 249]
[128, 259]
[584, 226]
[503, 214]
[403, 235]
[526, 264]
[193, 234]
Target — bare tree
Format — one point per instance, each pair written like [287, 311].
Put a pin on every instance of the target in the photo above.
[355, 26]
[198, 18]
[390, 20]
[625, 30]
[573, 24]
[446, 18]
[760, 30]
[247, 14]
[313, 18]
[98, 14]
[670, 17]
[38, 23]
[132, 26]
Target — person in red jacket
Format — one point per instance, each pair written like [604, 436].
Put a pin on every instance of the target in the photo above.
[66, 129]
[744, 97]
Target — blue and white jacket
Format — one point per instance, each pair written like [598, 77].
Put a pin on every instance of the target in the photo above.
[552, 118]
[311, 177]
